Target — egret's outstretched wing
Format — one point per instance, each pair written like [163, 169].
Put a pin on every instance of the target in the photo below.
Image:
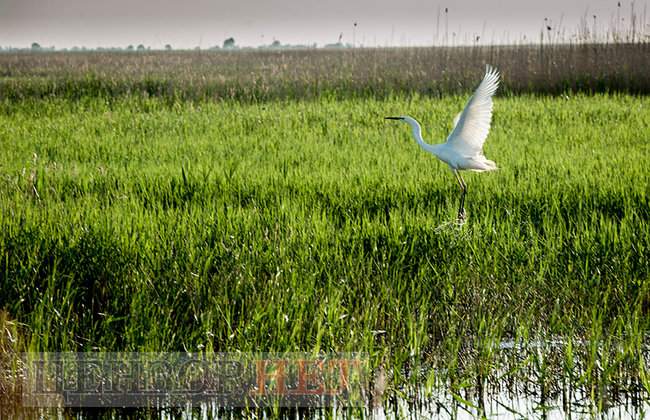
[456, 119]
[473, 125]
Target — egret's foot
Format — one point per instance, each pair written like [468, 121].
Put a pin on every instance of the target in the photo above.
[462, 216]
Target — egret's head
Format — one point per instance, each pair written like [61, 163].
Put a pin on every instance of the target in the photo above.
[409, 120]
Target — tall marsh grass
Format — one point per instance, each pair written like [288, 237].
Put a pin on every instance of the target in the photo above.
[140, 225]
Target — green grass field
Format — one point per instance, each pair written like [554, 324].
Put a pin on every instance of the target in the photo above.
[140, 224]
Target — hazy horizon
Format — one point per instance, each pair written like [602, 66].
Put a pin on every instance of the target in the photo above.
[202, 23]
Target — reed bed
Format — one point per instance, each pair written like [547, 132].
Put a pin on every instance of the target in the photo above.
[262, 75]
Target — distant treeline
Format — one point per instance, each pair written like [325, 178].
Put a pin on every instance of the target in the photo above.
[261, 75]
[228, 44]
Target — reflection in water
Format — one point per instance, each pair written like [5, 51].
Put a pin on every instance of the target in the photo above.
[441, 405]
[508, 406]
[519, 380]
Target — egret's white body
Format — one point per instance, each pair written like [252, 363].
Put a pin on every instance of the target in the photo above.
[463, 149]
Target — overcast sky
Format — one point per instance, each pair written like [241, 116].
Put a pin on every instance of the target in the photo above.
[204, 23]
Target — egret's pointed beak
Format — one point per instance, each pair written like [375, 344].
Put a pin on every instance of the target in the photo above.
[393, 118]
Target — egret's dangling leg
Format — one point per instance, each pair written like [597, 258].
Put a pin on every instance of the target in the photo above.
[463, 191]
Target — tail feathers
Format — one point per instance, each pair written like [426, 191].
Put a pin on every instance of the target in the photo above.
[482, 165]
[491, 166]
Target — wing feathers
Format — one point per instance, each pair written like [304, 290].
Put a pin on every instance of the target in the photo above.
[473, 125]
[456, 118]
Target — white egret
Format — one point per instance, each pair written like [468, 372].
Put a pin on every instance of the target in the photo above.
[463, 149]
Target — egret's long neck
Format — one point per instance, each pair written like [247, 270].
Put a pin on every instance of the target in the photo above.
[417, 134]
